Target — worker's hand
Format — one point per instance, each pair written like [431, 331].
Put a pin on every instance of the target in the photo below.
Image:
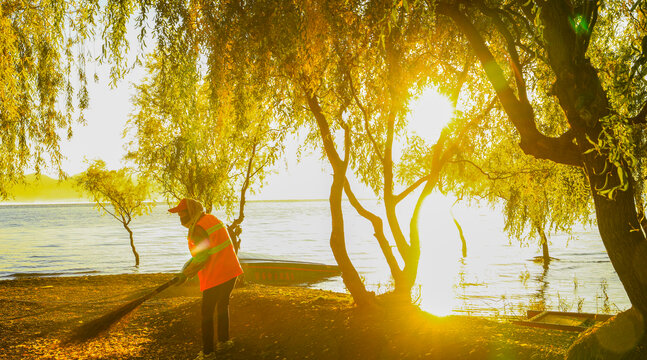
[183, 275]
[192, 269]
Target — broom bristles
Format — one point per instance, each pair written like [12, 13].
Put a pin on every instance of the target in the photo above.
[95, 327]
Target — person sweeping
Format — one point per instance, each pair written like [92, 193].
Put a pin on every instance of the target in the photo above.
[217, 266]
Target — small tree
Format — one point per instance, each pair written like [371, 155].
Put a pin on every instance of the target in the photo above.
[116, 189]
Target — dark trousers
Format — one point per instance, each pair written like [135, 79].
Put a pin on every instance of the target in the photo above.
[214, 298]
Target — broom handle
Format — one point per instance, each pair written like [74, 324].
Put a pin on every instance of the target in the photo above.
[162, 288]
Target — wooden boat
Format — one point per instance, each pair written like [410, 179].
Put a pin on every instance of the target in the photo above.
[263, 269]
[558, 320]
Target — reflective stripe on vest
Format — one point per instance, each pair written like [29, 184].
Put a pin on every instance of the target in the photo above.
[219, 248]
[203, 255]
[215, 228]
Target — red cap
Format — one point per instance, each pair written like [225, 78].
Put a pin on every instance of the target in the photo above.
[181, 206]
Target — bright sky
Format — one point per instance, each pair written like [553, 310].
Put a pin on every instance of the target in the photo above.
[109, 108]
[310, 178]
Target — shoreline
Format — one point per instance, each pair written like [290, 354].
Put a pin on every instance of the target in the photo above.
[267, 322]
[84, 202]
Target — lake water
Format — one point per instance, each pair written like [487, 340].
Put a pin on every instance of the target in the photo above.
[498, 277]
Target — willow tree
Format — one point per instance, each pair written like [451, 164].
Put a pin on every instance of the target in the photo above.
[45, 49]
[293, 47]
[42, 83]
[589, 52]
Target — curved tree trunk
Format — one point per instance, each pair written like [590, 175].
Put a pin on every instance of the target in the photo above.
[132, 244]
[378, 228]
[234, 228]
[410, 251]
[441, 156]
[349, 275]
[338, 245]
[412, 259]
[390, 203]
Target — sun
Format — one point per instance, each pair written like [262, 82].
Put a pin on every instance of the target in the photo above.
[429, 113]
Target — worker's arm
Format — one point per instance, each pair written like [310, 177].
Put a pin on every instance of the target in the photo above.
[200, 253]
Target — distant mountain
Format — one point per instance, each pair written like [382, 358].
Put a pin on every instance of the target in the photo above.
[45, 189]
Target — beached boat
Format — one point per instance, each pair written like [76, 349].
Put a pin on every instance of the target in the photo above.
[265, 269]
[558, 320]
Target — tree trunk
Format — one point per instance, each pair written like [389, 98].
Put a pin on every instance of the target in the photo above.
[338, 245]
[440, 157]
[412, 256]
[132, 244]
[410, 252]
[543, 239]
[234, 228]
[349, 274]
[460, 233]
[626, 247]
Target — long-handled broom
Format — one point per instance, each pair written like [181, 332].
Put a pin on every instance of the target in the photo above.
[95, 327]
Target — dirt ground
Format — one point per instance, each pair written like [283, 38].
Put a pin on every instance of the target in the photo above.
[267, 322]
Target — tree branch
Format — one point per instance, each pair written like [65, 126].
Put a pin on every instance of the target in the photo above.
[533, 142]
[411, 188]
[106, 210]
[324, 129]
[378, 228]
[512, 52]
[439, 143]
[497, 177]
[376, 148]
[462, 77]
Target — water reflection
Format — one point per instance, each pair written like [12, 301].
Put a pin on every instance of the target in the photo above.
[539, 298]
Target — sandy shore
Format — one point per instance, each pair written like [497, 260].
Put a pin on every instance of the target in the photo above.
[268, 322]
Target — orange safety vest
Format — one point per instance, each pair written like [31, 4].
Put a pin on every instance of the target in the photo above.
[222, 264]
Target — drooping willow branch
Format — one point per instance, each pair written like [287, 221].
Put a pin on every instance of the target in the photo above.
[497, 176]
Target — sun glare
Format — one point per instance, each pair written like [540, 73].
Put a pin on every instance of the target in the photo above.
[430, 112]
[440, 250]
